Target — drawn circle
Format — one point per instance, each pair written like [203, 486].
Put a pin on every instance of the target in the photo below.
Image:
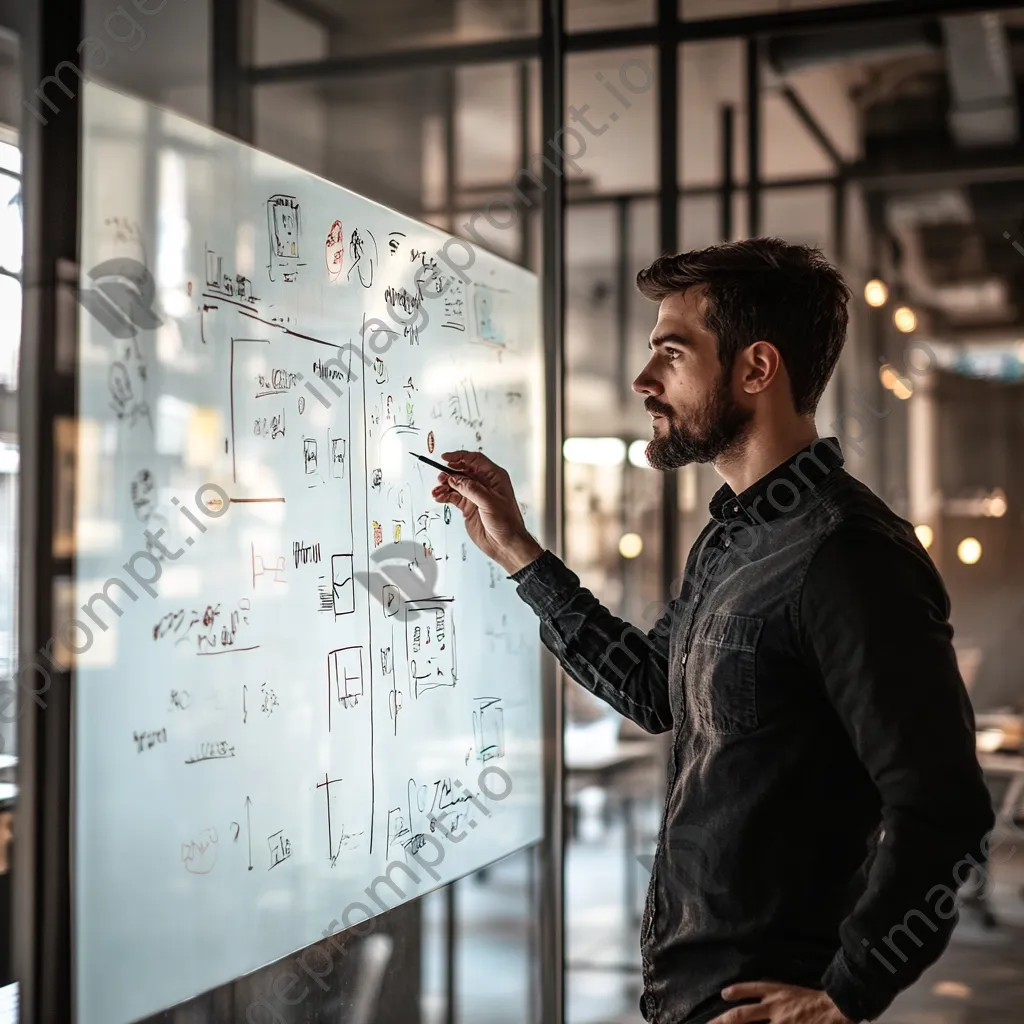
[430, 442]
[447, 514]
[212, 507]
[334, 250]
[302, 404]
[503, 775]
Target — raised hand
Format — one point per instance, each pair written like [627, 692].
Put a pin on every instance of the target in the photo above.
[482, 492]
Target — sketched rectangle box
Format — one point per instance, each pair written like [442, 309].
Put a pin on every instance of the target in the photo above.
[343, 584]
[488, 728]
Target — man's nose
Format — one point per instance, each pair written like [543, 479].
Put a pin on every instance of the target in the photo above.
[647, 384]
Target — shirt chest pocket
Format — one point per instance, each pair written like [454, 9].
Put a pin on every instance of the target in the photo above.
[720, 672]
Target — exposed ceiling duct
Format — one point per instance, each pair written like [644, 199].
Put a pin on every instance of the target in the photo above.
[981, 83]
[982, 298]
[787, 54]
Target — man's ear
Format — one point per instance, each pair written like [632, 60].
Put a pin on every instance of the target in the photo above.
[760, 363]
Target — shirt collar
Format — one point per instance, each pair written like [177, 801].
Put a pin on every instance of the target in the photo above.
[781, 490]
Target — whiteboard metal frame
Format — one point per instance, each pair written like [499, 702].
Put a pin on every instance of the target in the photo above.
[51, 33]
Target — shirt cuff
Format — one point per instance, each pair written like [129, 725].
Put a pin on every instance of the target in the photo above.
[546, 583]
[853, 998]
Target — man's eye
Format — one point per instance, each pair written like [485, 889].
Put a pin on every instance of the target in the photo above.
[672, 353]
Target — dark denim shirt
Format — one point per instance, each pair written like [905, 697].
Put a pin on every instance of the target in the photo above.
[823, 785]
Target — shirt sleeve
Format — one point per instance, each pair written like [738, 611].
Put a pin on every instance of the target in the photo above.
[874, 622]
[613, 659]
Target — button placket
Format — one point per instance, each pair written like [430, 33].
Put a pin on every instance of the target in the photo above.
[698, 596]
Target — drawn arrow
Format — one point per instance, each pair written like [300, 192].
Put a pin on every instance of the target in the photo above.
[248, 828]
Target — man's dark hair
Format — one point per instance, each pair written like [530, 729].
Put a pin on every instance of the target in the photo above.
[764, 289]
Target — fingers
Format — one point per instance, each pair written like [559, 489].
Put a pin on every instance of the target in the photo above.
[744, 1015]
[446, 496]
[474, 462]
[749, 990]
[475, 491]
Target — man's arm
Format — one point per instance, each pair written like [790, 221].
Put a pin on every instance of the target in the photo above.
[873, 620]
[611, 658]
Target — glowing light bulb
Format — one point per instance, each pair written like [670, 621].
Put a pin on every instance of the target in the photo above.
[969, 550]
[876, 293]
[905, 319]
[995, 504]
[630, 545]
[925, 534]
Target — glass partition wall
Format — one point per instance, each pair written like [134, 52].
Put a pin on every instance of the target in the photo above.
[580, 139]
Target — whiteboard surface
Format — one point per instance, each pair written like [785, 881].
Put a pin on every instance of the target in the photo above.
[323, 663]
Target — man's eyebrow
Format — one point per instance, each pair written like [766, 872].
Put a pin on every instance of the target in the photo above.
[661, 339]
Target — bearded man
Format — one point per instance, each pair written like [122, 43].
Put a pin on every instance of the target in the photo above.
[823, 785]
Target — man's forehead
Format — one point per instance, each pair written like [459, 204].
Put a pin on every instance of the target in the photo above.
[684, 309]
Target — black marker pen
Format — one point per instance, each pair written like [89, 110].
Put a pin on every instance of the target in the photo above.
[438, 465]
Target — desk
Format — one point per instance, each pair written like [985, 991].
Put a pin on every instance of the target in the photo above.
[609, 769]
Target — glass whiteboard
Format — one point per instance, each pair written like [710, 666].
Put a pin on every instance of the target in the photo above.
[302, 696]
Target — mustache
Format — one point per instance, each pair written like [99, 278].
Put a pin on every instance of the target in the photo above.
[653, 405]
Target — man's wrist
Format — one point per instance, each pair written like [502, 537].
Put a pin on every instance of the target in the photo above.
[519, 554]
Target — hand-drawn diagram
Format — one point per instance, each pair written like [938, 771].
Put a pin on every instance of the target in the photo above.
[199, 855]
[143, 491]
[430, 644]
[344, 678]
[220, 284]
[343, 587]
[334, 251]
[488, 728]
[280, 848]
[309, 455]
[489, 318]
[362, 251]
[463, 406]
[387, 671]
[128, 404]
[283, 227]
[274, 568]
[338, 839]
[454, 305]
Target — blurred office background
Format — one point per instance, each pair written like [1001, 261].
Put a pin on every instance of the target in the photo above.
[889, 134]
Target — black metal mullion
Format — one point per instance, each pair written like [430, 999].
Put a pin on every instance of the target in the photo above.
[668, 237]
[525, 221]
[552, 849]
[451, 174]
[432, 57]
[727, 188]
[230, 27]
[52, 30]
[753, 86]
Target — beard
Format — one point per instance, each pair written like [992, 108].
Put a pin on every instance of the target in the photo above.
[718, 426]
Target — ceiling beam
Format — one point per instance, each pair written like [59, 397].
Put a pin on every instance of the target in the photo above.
[315, 12]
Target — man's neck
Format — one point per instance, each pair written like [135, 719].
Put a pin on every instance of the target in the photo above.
[760, 452]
